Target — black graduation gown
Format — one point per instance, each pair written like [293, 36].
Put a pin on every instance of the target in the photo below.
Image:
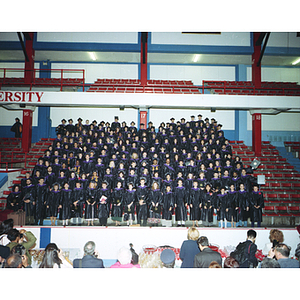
[243, 203]
[14, 198]
[129, 197]
[103, 207]
[194, 199]
[208, 205]
[168, 202]
[181, 199]
[50, 179]
[117, 202]
[232, 213]
[221, 205]
[155, 201]
[41, 197]
[66, 203]
[87, 167]
[91, 210]
[78, 195]
[28, 193]
[256, 199]
[142, 193]
[53, 201]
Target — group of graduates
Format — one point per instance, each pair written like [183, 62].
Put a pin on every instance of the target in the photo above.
[113, 170]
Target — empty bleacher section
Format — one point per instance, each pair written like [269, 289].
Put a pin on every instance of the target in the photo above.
[248, 88]
[152, 86]
[282, 187]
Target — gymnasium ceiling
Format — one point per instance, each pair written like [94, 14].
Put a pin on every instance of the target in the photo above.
[8, 55]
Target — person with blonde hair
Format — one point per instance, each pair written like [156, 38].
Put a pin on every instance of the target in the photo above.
[189, 248]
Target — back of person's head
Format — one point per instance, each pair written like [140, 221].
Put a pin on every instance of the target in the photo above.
[283, 249]
[203, 241]
[89, 248]
[268, 262]
[276, 234]
[6, 226]
[51, 246]
[13, 234]
[193, 234]
[14, 261]
[214, 265]
[124, 256]
[251, 234]
[230, 262]
[168, 258]
[50, 259]
[20, 249]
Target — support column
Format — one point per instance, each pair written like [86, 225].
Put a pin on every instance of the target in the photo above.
[44, 121]
[29, 65]
[143, 118]
[256, 134]
[144, 51]
[256, 70]
[27, 129]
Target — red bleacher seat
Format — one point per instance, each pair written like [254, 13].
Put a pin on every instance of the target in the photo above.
[282, 210]
[294, 211]
[269, 211]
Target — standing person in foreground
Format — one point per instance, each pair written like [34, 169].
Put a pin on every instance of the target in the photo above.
[207, 255]
[189, 248]
[245, 251]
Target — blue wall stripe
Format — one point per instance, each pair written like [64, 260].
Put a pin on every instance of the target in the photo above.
[45, 237]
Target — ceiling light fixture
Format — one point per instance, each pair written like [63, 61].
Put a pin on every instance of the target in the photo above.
[196, 57]
[296, 62]
[92, 55]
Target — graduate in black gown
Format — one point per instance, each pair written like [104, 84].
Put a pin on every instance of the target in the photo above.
[52, 203]
[117, 201]
[232, 212]
[208, 204]
[256, 205]
[195, 202]
[155, 202]
[222, 205]
[243, 205]
[129, 203]
[168, 204]
[65, 204]
[28, 195]
[142, 195]
[41, 191]
[14, 199]
[104, 203]
[181, 202]
[77, 203]
[91, 200]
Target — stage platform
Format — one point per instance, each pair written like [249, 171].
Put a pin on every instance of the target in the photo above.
[109, 240]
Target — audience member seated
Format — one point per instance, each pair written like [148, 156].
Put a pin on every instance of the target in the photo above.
[90, 258]
[20, 249]
[53, 258]
[282, 253]
[167, 258]
[124, 259]
[268, 262]
[230, 262]
[14, 261]
[275, 237]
